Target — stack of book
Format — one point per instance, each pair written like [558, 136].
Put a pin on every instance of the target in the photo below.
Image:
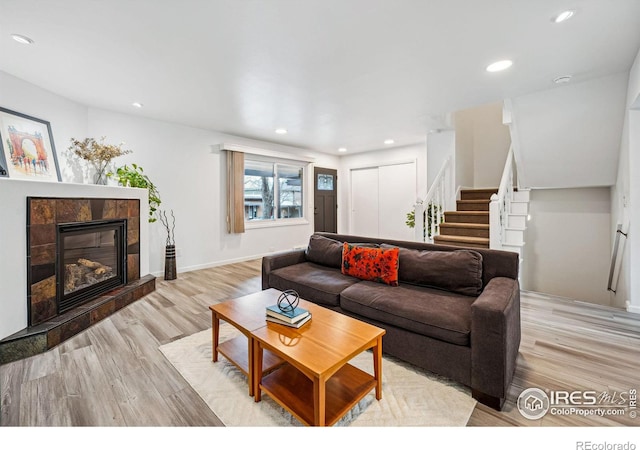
[296, 318]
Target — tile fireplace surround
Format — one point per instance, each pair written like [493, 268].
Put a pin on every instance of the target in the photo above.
[43, 216]
[46, 328]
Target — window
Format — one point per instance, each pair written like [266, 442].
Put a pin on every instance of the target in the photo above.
[258, 190]
[325, 182]
[290, 191]
[272, 190]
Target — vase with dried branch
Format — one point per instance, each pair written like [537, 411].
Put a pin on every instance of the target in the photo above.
[170, 269]
[97, 153]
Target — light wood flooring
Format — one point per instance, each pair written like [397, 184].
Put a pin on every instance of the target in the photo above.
[114, 375]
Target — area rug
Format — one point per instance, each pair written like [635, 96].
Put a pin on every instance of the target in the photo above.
[410, 396]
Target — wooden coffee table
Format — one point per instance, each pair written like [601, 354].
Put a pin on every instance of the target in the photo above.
[317, 386]
[246, 314]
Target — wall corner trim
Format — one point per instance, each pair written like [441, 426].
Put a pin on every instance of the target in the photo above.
[632, 308]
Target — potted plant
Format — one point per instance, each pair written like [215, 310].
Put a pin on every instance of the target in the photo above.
[133, 176]
[426, 222]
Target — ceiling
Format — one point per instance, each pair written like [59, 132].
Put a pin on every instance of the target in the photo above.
[334, 73]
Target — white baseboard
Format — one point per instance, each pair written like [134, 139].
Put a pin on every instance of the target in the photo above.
[632, 308]
[214, 264]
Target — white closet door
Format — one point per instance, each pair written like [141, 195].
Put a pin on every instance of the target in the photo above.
[396, 197]
[364, 202]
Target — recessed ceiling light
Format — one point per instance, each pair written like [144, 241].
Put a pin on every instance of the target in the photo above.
[562, 79]
[564, 15]
[342, 149]
[499, 65]
[389, 141]
[281, 131]
[137, 104]
[22, 39]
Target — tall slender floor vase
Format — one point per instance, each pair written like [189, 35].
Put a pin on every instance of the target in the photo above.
[170, 262]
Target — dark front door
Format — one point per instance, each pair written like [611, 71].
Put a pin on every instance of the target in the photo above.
[325, 200]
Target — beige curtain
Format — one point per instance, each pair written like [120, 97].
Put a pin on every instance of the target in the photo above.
[235, 192]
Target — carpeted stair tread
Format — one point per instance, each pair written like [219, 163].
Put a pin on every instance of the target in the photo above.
[464, 229]
[475, 240]
[477, 194]
[479, 226]
[480, 217]
[472, 205]
[462, 241]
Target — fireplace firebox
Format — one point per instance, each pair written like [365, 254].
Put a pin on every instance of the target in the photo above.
[91, 260]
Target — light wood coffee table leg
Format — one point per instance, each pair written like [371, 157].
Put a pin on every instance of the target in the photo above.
[251, 368]
[319, 402]
[215, 335]
[256, 361]
[377, 367]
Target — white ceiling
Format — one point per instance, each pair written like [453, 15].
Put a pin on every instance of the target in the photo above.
[335, 73]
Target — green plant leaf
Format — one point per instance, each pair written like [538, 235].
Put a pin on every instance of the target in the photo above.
[133, 177]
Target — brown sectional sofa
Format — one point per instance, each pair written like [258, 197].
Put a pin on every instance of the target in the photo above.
[455, 312]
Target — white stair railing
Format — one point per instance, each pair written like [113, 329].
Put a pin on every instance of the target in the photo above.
[501, 204]
[436, 202]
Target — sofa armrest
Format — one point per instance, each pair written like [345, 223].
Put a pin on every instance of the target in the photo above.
[495, 338]
[279, 260]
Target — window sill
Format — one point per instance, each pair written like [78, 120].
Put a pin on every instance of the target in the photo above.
[253, 225]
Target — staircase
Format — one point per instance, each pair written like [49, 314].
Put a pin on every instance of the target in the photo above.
[494, 218]
[516, 222]
[468, 225]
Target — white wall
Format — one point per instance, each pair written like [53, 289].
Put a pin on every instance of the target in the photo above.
[67, 118]
[569, 136]
[440, 146]
[463, 150]
[191, 180]
[415, 152]
[626, 195]
[178, 159]
[634, 229]
[13, 239]
[481, 146]
[568, 248]
[491, 141]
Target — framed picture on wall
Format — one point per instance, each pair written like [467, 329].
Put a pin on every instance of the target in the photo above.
[27, 148]
[3, 166]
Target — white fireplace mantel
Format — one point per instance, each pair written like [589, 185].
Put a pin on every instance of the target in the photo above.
[13, 238]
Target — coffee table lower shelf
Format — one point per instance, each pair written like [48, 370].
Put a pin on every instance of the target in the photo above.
[292, 390]
[236, 351]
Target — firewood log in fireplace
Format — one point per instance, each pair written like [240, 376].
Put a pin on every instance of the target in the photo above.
[90, 264]
[84, 274]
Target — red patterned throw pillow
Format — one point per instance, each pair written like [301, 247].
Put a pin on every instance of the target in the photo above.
[372, 264]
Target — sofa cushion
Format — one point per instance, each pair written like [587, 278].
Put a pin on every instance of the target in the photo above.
[324, 251]
[374, 264]
[313, 282]
[431, 312]
[458, 271]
